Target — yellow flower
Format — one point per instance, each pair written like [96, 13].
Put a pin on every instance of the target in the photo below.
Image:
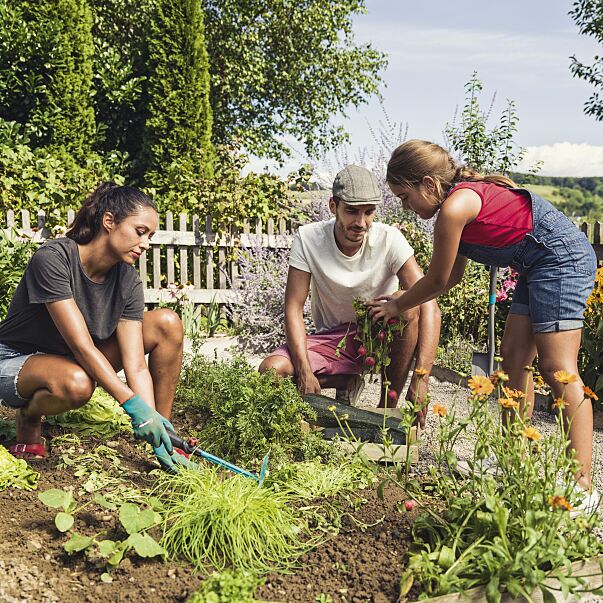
[559, 403]
[440, 409]
[508, 403]
[344, 417]
[532, 434]
[528, 367]
[331, 408]
[481, 385]
[421, 372]
[564, 377]
[589, 393]
[516, 394]
[499, 377]
[559, 502]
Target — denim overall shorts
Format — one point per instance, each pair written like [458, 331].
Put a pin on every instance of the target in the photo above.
[556, 266]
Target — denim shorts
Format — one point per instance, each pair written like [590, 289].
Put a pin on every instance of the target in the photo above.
[11, 363]
[554, 290]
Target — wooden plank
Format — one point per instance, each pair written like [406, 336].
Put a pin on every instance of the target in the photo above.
[196, 256]
[197, 296]
[282, 226]
[189, 239]
[183, 253]
[70, 217]
[10, 218]
[25, 219]
[156, 266]
[377, 452]
[169, 225]
[222, 280]
[142, 268]
[209, 257]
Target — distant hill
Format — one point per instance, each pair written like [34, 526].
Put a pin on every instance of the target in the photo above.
[576, 197]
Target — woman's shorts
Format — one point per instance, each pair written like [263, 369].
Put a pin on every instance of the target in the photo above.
[11, 363]
[554, 290]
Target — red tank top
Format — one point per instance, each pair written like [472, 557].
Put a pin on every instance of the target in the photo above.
[505, 217]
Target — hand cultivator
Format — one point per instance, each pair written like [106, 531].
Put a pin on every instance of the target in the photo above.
[190, 446]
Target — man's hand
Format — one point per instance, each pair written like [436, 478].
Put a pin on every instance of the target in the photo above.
[418, 396]
[307, 383]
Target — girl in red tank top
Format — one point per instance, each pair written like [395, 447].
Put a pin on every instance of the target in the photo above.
[489, 220]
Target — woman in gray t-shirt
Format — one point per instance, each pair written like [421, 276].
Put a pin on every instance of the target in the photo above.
[77, 317]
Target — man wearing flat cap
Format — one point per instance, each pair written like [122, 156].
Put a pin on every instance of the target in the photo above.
[338, 260]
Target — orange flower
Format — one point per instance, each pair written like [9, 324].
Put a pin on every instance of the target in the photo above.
[532, 434]
[559, 502]
[589, 393]
[481, 386]
[440, 409]
[499, 377]
[508, 403]
[559, 403]
[516, 394]
[421, 372]
[564, 377]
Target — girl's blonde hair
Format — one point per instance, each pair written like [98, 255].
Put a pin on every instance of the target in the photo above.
[415, 159]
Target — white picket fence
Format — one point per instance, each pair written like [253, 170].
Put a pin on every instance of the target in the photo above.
[189, 254]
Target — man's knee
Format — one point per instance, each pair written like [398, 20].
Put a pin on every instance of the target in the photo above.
[280, 364]
[411, 316]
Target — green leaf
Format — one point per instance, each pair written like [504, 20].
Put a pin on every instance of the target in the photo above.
[77, 542]
[145, 545]
[446, 557]
[63, 521]
[54, 498]
[547, 595]
[106, 577]
[134, 520]
[118, 555]
[99, 499]
[106, 547]
[492, 592]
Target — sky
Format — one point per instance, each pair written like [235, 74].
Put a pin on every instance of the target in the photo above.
[521, 51]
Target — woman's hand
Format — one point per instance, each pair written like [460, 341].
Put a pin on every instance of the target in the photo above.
[383, 308]
[148, 424]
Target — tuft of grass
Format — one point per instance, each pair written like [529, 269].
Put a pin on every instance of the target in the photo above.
[312, 479]
[230, 522]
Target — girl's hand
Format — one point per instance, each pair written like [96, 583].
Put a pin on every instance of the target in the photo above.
[383, 308]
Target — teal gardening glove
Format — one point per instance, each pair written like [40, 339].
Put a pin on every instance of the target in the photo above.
[148, 424]
[171, 462]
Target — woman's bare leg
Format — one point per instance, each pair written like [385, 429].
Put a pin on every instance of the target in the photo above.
[163, 336]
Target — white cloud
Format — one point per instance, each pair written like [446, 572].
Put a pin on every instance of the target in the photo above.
[565, 159]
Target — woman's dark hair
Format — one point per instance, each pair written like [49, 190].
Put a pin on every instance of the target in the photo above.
[121, 201]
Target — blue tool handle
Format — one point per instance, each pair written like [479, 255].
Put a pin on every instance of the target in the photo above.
[218, 461]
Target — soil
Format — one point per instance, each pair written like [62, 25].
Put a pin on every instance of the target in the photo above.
[362, 562]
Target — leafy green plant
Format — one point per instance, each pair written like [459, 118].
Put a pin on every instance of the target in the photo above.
[15, 473]
[226, 587]
[507, 526]
[312, 479]
[249, 414]
[101, 416]
[15, 253]
[136, 521]
[229, 522]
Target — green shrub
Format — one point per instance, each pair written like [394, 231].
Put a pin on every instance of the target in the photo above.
[226, 587]
[249, 414]
[15, 253]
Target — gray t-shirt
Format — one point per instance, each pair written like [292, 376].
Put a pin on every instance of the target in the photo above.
[55, 273]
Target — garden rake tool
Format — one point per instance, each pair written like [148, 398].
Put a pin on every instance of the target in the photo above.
[190, 446]
[483, 363]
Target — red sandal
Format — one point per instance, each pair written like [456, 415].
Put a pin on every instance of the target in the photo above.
[29, 452]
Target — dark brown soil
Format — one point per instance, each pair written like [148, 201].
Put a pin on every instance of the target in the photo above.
[361, 563]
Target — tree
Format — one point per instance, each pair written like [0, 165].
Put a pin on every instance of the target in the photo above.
[179, 122]
[285, 68]
[588, 15]
[46, 72]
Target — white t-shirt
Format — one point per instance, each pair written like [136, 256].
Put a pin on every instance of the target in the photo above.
[337, 279]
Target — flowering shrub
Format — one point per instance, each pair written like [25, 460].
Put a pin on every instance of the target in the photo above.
[507, 524]
[591, 350]
[258, 308]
